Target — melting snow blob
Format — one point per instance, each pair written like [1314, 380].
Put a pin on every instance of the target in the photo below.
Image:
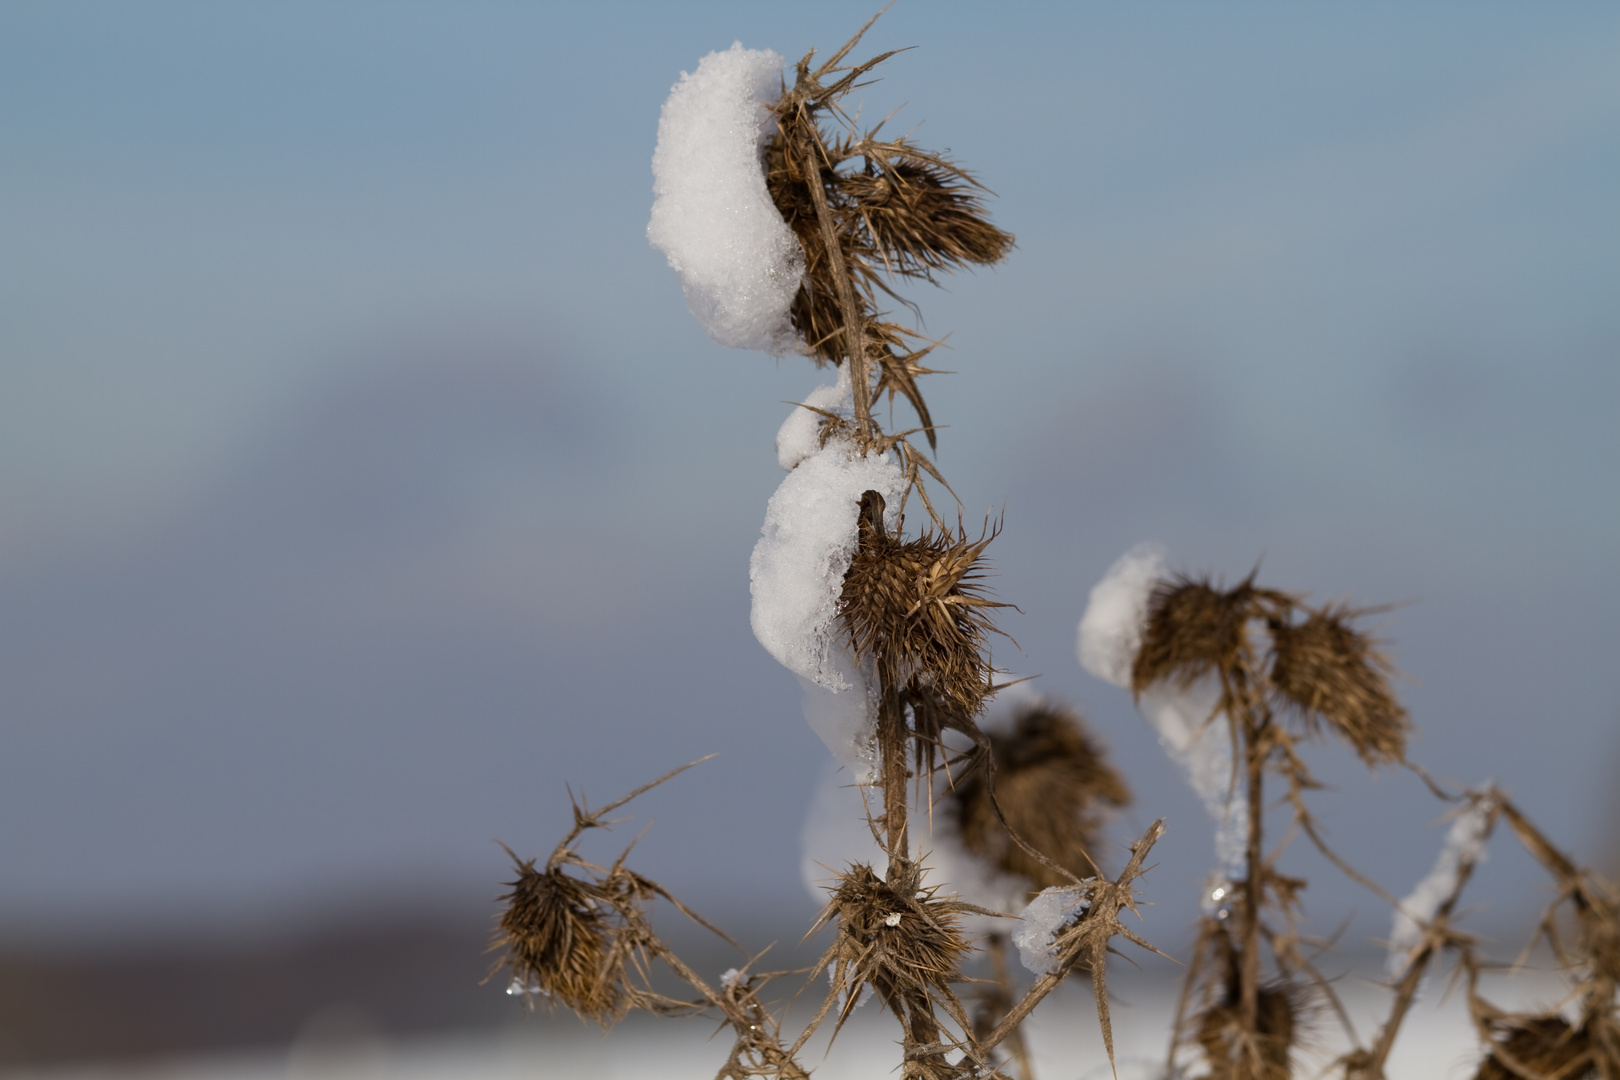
[739, 263]
[797, 572]
[1184, 718]
[1044, 918]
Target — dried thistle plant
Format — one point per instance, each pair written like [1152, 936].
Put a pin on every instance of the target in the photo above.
[1271, 658]
[557, 943]
[1584, 1045]
[918, 609]
[1328, 671]
[868, 213]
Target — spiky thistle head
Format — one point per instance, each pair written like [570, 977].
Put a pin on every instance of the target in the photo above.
[1329, 672]
[557, 931]
[918, 609]
[917, 212]
[898, 937]
[1232, 1051]
[1537, 1046]
[1193, 628]
[1055, 786]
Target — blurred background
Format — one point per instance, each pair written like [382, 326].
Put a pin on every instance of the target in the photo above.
[364, 480]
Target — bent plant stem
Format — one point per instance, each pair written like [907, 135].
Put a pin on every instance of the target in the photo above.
[1088, 941]
[1406, 991]
[1002, 999]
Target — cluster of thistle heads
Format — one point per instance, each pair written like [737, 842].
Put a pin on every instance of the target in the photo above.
[1029, 798]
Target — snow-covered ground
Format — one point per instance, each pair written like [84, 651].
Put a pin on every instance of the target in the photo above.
[1437, 1044]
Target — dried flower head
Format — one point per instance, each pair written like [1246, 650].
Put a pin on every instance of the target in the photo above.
[1232, 1050]
[1193, 628]
[918, 608]
[557, 940]
[1539, 1046]
[901, 940]
[901, 211]
[1234, 1054]
[1327, 670]
[919, 213]
[1054, 785]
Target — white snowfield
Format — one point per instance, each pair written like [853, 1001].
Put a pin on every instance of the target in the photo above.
[1437, 1044]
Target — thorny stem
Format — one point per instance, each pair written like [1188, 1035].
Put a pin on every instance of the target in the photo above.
[1078, 948]
[996, 946]
[748, 1021]
[1252, 886]
[1252, 727]
[586, 818]
[1406, 990]
[854, 338]
[891, 740]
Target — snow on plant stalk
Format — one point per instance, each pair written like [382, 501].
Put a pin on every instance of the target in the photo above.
[1464, 849]
[1183, 717]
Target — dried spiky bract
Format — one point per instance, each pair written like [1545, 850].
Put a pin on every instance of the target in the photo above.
[1232, 1050]
[1325, 668]
[919, 213]
[896, 942]
[1544, 1047]
[1193, 628]
[1054, 785]
[900, 939]
[889, 208]
[918, 608]
[1234, 1054]
[556, 941]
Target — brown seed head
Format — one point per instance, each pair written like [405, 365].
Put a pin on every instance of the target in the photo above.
[557, 938]
[1054, 785]
[920, 213]
[898, 938]
[918, 608]
[1327, 670]
[1544, 1046]
[1193, 628]
[1284, 1015]
[1232, 1053]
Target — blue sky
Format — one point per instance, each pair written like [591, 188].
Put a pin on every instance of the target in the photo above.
[363, 478]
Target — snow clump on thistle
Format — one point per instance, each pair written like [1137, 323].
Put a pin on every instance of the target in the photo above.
[1110, 635]
[739, 263]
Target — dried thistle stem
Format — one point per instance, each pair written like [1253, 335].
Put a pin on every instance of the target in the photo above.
[1371, 1065]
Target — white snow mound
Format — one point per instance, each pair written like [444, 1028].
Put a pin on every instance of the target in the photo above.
[739, 263]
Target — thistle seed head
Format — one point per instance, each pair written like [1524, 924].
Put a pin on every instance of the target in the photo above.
[1328, 671]
[1055, 786]
[918, 608]
[899, 937]
[1193, 628]
[557, 938]
[1540, 1045]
